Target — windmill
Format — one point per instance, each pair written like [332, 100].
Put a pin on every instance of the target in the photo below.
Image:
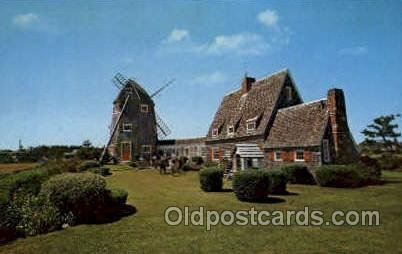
[135, 126]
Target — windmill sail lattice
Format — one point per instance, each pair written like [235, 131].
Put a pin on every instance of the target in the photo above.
[162, 128]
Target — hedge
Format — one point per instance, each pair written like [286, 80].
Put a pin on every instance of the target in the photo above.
[298, 174]
[82, 194]
[211, 179]
[278, 180]
[251, 185]
[340, 176]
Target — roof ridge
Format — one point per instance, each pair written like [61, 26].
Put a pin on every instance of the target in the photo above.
[273, 74]
[261, 79]
[303, 104]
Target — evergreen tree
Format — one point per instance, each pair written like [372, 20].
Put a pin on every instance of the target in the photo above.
[383, 133]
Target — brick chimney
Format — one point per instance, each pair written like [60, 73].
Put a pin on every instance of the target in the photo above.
[246, 84]
[344, 147]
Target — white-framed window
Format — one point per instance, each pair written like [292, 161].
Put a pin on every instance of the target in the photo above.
[215, 132]
[288, 91]
[146, 149]
[250, 126]
[299, 155]
[230, 130]
[144, 108]
[278, 155]
[127, 127]
[216, 153]
[325, 146]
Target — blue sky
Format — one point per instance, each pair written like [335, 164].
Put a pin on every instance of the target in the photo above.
[57, 60]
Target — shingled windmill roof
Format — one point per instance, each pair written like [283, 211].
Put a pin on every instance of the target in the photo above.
[137, 91]
[258, 103]
[302, 125]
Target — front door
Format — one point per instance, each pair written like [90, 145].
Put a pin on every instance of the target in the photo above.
[126, 151]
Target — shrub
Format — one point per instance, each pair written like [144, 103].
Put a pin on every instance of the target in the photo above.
[211, 164]
[211, 179]
[198, 160]
[103, 171]
[85, 165]
[81, 194]
[118, 196]
[9, 218]
[37, 217]
[298, 174]
[59, 166]
[370, 169]
[15, 185]
[278, 180]
[341, 176]
[390, 162]
[6, 158]
[183, 160]
[251, 185]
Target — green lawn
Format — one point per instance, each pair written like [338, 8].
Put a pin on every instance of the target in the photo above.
[146, 232]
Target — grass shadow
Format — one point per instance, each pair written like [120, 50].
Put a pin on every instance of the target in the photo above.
[226, 190]
[267, 200]
[115, 214]
[286, 193]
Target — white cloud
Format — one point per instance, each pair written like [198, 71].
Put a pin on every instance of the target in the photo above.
[268, 17]
[240, 44]
[177, 35]
[25, 20]
[213, 78]
[354, 51]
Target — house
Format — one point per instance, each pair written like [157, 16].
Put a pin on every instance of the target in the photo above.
[265, 123]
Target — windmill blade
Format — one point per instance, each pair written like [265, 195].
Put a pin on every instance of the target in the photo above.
[119, 80]
[162, 128]
[114, 128]
[162, 88]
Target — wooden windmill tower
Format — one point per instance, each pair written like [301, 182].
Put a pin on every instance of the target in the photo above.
[135, 126]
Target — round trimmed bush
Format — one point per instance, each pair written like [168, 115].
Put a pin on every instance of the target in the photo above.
[82, 194]
[278, 180]
[211, 179]
[340, 176]
[251, 185]
[118, 196]
[298, 174]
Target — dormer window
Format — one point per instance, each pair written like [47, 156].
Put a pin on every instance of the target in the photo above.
[215, 132]
[251, 126]
[127, 127]
[231, 130]
[288, 91]
[144, 108]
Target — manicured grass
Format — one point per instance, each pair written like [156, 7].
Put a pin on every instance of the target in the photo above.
[11, 167]
[151, 194]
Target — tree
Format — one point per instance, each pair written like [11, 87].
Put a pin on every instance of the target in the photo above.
[383, 133]
[87, 143]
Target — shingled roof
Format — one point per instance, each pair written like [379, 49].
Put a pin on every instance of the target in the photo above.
[302, 125]
[258, 103]
[136, 89]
